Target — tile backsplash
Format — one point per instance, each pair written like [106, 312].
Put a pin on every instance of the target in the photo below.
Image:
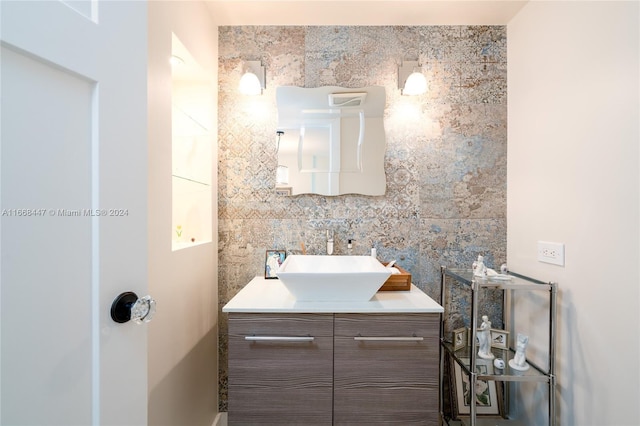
[446, 156]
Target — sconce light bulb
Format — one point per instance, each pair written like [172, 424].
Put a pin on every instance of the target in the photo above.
[416, 84]
[250, 84]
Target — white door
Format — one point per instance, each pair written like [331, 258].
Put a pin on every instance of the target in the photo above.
[73, 234]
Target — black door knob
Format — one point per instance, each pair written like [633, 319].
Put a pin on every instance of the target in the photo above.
[127, 306]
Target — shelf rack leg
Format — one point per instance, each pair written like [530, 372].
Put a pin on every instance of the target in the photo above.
[473, 378]
[552, 400]
[552, 353]
[506, 324]
[440, 349]
[474, 329]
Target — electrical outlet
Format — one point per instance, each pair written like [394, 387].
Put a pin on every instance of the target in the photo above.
[551, 253]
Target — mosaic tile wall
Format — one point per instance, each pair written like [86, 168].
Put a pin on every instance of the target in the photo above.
[445, 161]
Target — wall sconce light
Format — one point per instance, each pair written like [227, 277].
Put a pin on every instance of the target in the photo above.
[410, 80]
[252, 81]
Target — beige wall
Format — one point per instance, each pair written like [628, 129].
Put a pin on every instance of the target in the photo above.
[573, 178]
[183, 335]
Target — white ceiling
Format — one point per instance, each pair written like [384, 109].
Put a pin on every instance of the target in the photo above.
[364, 12]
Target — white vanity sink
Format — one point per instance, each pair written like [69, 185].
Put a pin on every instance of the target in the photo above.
[332, 278]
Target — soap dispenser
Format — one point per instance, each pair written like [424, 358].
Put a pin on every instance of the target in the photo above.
[329, 241]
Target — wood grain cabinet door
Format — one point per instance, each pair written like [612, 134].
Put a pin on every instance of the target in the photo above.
[280, 369]
[386, 369]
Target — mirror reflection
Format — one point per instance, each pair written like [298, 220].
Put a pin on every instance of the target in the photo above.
[330, 140]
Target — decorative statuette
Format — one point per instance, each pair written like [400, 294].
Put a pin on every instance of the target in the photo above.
[484, 338]
[479, 269]
[519, 361]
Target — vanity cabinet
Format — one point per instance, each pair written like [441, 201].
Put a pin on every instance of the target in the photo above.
[373, 362]
[386, 369]
[280, 369]
[324, 369]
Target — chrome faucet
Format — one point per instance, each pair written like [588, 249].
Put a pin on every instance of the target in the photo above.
[329, 241]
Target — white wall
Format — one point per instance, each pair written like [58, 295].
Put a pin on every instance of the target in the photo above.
[183, 384]
[573, 157]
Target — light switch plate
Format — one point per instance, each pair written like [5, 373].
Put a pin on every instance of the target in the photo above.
[549, 252]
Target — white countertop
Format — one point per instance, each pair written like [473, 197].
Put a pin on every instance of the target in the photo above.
[262, 295]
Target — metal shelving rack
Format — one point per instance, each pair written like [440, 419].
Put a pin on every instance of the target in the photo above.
[466, 357]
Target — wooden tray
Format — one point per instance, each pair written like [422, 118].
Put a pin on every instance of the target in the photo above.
[397, 282]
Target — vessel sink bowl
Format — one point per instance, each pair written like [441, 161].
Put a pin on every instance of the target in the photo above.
[332, 278]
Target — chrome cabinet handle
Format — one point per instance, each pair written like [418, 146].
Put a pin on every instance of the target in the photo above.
[389, 339]
[127, 306]
[279, 338]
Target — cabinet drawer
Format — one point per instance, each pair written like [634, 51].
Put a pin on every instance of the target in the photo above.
[277, 364]
[386, 369]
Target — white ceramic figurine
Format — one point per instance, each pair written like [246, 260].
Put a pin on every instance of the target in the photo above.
[484, 338]
[519, 361]
[479, 269]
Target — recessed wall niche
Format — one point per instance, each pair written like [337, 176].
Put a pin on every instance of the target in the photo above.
[191, 125]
